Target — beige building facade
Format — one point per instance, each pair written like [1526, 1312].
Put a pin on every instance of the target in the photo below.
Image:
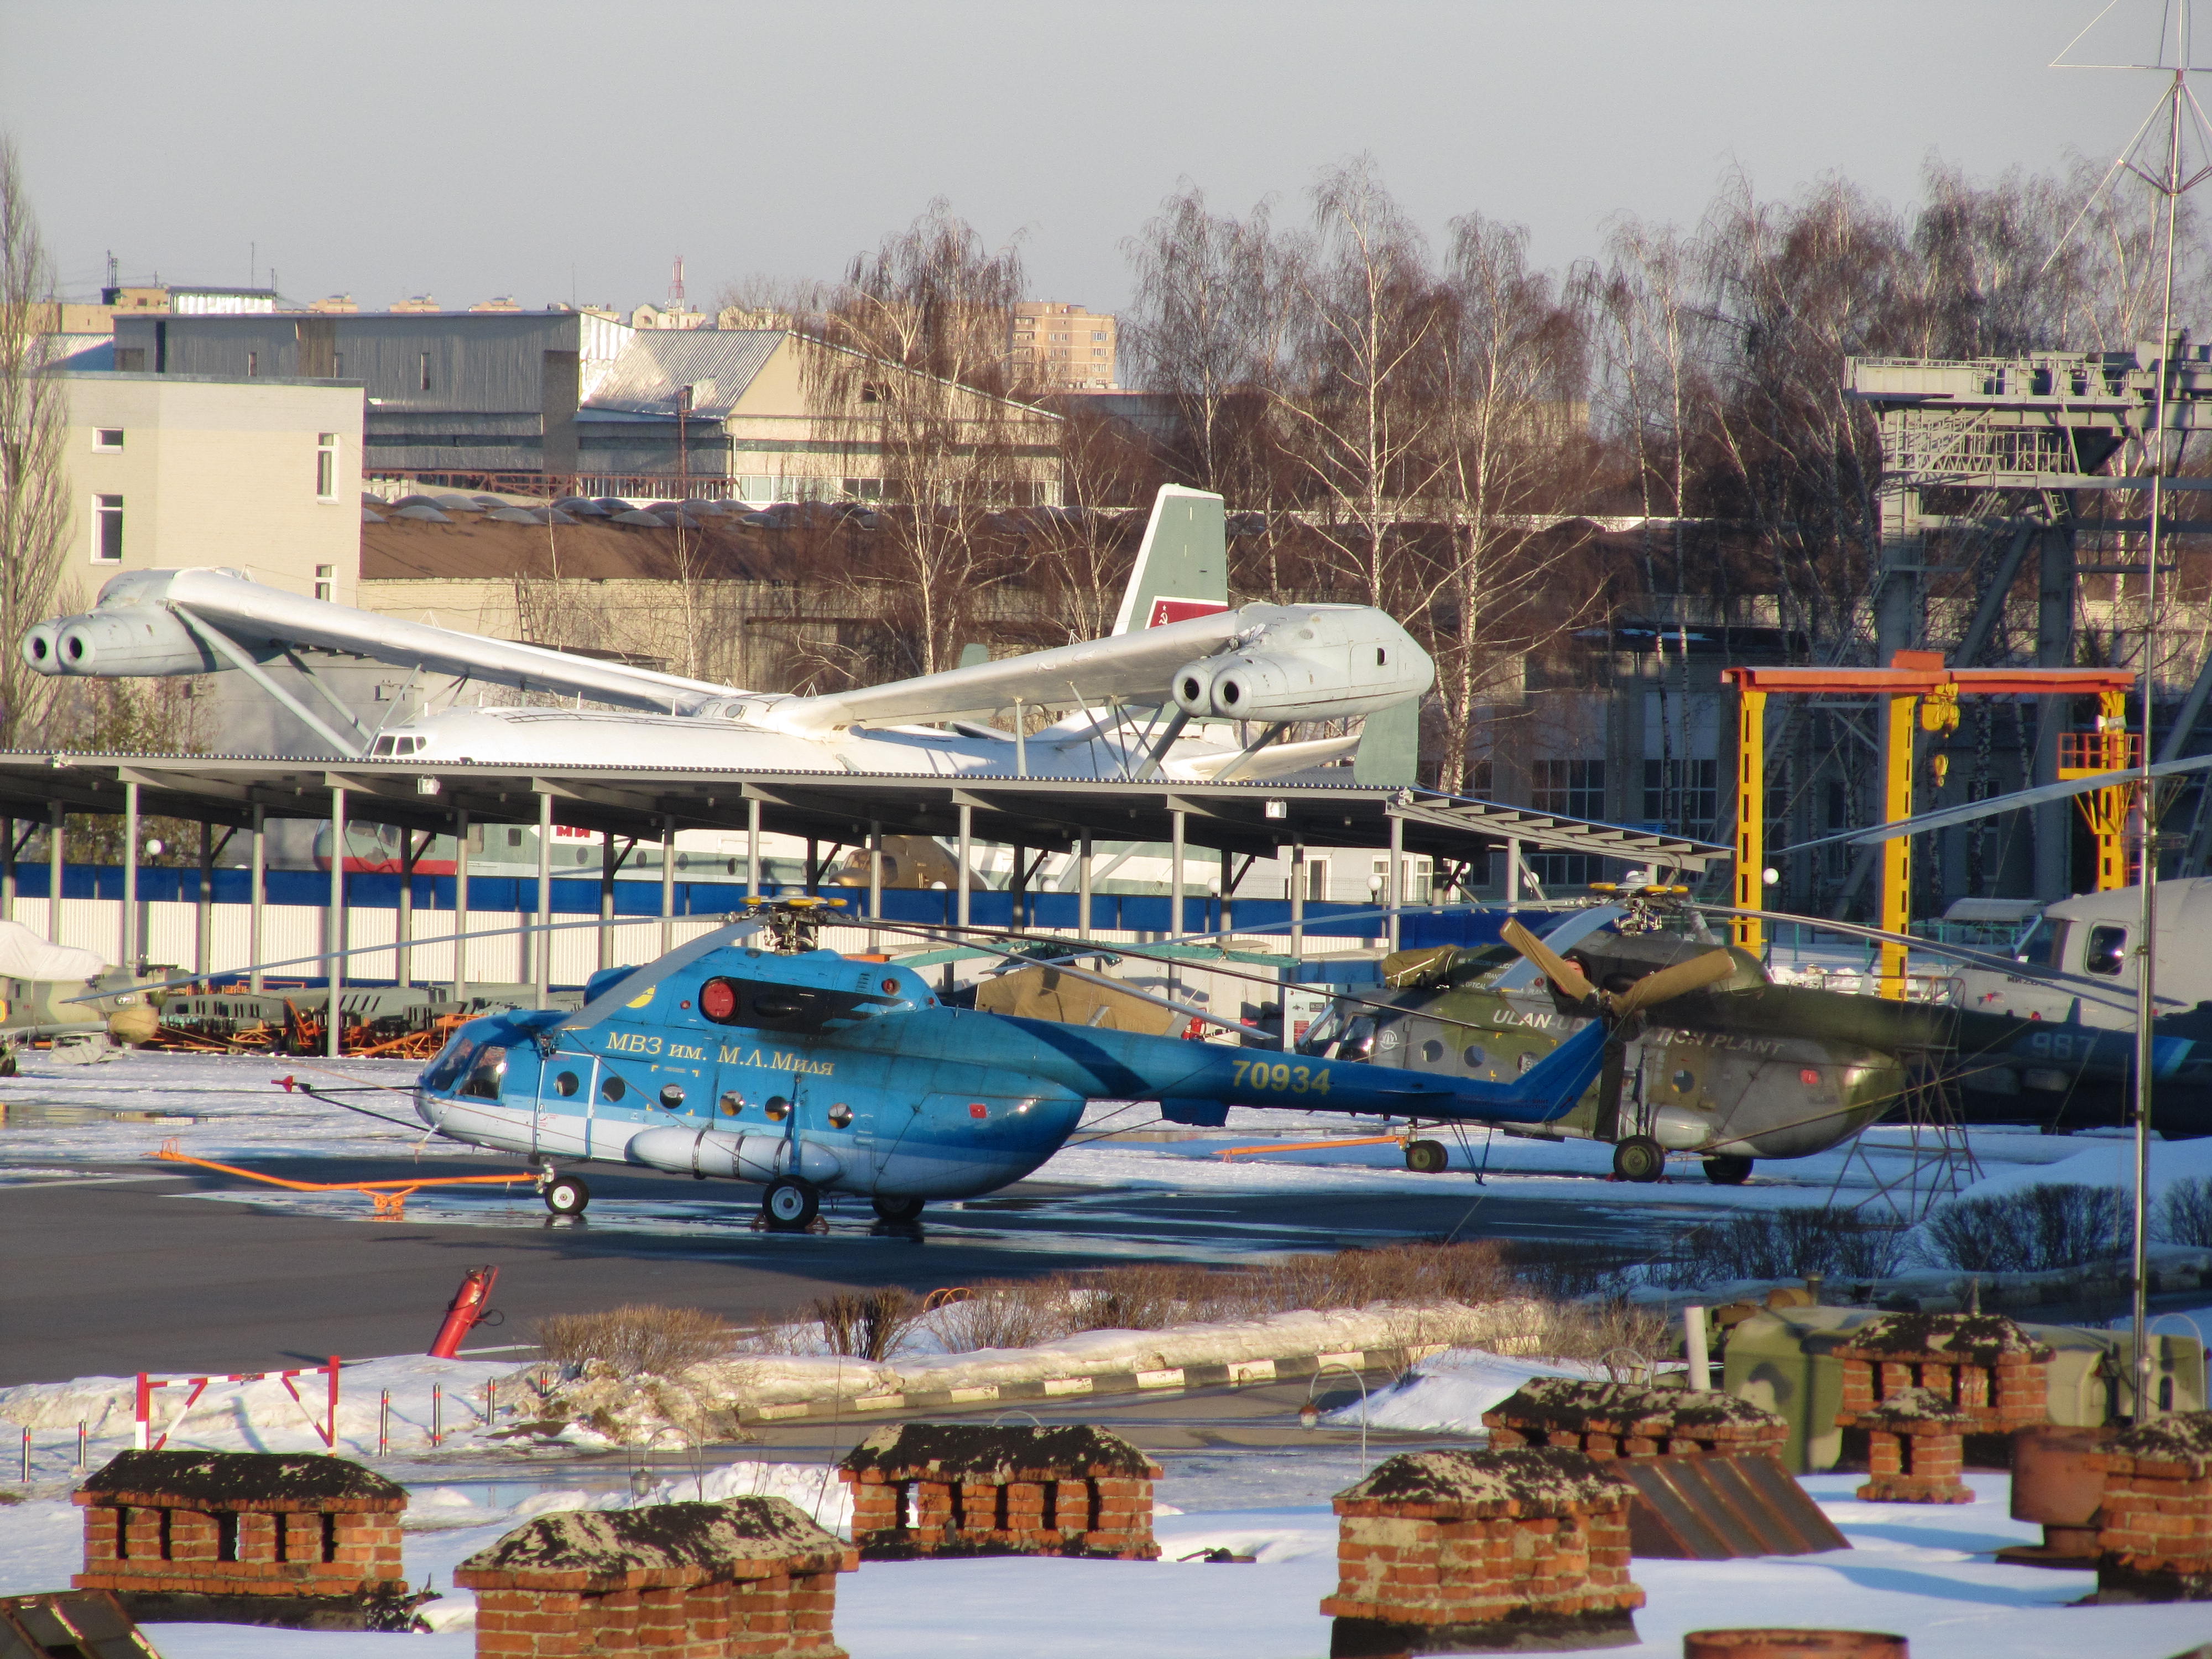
[1062, 347]
[262, 476]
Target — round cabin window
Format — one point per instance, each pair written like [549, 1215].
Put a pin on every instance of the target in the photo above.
[567, 1084]
[671, 1098]
[613, 1088]
[717, 999]
[1432, 1052]
[733, 1104]
[1474, 1057]
[1684, 1080]
[777, 1109]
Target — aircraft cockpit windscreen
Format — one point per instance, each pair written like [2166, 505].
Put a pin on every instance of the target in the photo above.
[451, 1064]
[1343, 1032]
[2044, 945]
[489, 1066]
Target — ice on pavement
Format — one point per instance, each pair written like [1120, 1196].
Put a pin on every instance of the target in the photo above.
[1449, 1392]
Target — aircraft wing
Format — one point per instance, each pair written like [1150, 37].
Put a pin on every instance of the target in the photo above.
[1134, 667]
[1276, 761]
[202, 620]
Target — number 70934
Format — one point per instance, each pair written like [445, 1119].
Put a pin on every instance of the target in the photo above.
[1281, 1077]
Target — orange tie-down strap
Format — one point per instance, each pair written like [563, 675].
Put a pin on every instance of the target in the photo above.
[388, 1195]
[1313, 1146]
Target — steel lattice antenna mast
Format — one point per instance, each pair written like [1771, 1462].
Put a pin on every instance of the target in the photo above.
[2177, 103]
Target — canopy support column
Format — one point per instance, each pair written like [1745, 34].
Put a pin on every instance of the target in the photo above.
[541, 956]
[334, 930]
[56, 870]
[130, 879]
[667, 882]
[461, 833]
[256, 899]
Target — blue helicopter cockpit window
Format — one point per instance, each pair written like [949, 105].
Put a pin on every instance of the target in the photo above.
[485, 1074]
[450, 1066]
[765, 1005]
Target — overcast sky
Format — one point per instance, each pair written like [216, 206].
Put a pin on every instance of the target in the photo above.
[550, 150]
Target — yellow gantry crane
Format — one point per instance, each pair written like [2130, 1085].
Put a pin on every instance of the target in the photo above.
[1917, 689]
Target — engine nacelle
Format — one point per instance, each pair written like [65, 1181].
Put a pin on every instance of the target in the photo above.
[1308, 663]
[118, 642]
[39, 648]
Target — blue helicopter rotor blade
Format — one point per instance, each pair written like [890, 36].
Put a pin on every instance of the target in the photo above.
[632, 986]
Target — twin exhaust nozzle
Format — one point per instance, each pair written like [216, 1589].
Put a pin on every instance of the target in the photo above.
[115, 642]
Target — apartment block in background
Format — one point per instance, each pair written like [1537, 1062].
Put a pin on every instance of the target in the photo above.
[1062, 347]
[262, 475]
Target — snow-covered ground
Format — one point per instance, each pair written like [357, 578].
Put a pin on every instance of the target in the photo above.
[1922, 1571]
[1451, 1390]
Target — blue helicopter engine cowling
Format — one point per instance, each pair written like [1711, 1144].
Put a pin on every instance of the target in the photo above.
[734, 1158]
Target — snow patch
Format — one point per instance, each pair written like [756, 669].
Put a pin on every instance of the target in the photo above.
[1449, 1392]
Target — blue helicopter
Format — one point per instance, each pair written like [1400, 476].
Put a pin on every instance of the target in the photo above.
[809, 1073]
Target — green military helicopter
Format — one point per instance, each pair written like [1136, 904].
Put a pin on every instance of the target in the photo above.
[68, 997]
[1735, 1070]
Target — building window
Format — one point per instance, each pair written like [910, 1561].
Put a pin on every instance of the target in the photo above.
[425, 371]
[252, 364]
[326, 585]
[326, 465]
[1574, 789]
[107, 529]
[130, 360]
[108, 437]
[1683, 795]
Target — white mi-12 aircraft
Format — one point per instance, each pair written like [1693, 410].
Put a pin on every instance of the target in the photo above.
[1178, 654]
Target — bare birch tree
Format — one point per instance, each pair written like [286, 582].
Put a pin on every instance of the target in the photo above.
[1511, 422]
[911, 368]
[34, 508]
[1357, 403]
[1206, 330]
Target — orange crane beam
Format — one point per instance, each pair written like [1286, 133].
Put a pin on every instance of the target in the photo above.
[1915, 683]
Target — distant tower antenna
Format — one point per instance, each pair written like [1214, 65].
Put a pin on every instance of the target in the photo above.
[675, 286]
[111, 268]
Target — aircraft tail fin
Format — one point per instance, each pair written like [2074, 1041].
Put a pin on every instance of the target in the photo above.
[1390, 752]
[1183, 564]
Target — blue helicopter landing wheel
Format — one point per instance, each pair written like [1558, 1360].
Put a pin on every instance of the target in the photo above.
[790, 1205]
[899, 1209]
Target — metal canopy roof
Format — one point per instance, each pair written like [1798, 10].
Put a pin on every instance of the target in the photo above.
[1040, 812]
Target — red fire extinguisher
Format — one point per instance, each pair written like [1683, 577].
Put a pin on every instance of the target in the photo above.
[470, 1303]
